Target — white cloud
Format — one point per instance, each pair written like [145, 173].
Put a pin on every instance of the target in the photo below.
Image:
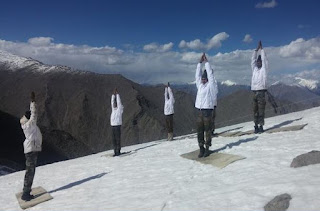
[44, 50]
[154, 47]
[247, 38]
[303, 49]
[40, 41]
[270, 4]
[214, 42]
[159, 65]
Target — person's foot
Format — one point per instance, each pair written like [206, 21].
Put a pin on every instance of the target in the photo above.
[27, 197]
[214, 134]
[256, 129]
[201, 153]
[117, 153]
[206, 152]
[261, 129]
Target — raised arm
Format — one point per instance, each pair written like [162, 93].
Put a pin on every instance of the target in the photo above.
[198, 71]
[264, 59]
[171, 94]
[198, 75]
[112, 100]
[166, 93]
[33, 117]
[119, 100]
[253, 59]
[209, 72]
[33, 110]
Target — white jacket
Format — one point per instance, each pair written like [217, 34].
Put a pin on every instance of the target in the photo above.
[215, 102]
[116, 114]
[259, 76]
[33, 141]
[207, 93]
[168, 102]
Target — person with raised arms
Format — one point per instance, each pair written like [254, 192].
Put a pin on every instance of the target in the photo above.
[259, 68]
[205, 102]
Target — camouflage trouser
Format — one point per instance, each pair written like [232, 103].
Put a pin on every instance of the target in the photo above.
[213, 119]
[259, 104]
[204, 127]
[31, 163]
[169, 123]
[116, 138]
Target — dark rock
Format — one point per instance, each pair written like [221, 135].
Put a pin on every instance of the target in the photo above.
[279, 203]
[306, 159]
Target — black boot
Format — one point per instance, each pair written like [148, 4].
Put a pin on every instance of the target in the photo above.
[116, 152]
[256, 129]
[261, 129]
[27, 197]
[201, 152]
[206, 152]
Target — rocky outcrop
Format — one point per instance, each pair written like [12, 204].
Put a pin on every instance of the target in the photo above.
[306, 159]
[279, 203]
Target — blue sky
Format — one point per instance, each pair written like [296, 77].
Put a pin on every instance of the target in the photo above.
[128, 31]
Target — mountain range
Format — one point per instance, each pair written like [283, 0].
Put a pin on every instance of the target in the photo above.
[74, 108]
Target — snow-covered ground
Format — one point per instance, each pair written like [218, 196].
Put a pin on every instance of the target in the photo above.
[156, 177]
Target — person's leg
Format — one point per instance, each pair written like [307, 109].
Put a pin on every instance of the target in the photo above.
[213, 120]
[255, 111]
[261, 109]
[114, 140]
[118, 139]
[200, 132]
[207, 118]
[171, 127]
[167, 124]
[31, 163]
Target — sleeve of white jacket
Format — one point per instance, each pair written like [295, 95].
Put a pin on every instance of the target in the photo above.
[211, 80]
[166, 94]
[253, 59]
[119, 103]
[198, 75]
[264, 59]
[33, 117]
[112, 100]
[209, 72]
[171, 95]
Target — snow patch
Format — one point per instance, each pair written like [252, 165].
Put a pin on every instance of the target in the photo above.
[228, 83]
[276, 83]
[15, 63]
[191, 83]
[310, 84]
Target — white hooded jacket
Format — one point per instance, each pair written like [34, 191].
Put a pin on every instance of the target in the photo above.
[168, 102]
[33, 141]
[259, 76]
[207, 93]
[116, 114]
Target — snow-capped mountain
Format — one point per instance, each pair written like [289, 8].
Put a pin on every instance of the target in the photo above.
[14, 63]
[308, 83]
[228, 83]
